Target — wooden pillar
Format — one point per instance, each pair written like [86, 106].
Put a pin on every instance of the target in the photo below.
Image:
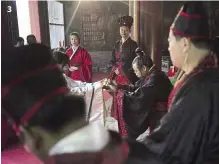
[136, 20]
[158, 33]
[44, 22]
[143, 25]
[131, 14]
[134, 12]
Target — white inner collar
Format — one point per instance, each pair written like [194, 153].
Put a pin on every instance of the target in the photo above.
[74, 49]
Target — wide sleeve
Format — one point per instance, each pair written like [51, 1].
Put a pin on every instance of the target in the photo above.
[138, 106]
[86, 67]
[185, 134]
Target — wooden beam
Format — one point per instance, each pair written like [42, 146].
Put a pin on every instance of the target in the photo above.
[136, 20]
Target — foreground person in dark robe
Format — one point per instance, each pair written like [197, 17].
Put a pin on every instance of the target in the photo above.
[122, 57]
[189, 133]
[49, 120]
[141, 105]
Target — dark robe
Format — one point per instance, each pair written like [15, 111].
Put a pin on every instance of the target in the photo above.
[143, 105]
[82, 60]
[117, 151]
[189, 132]
[122, 57]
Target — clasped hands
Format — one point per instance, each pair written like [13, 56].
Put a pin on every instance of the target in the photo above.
[109, 85]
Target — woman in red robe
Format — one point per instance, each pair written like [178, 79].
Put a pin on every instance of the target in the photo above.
[80, 63]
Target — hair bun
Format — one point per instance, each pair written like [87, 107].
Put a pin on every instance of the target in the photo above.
[139, 52]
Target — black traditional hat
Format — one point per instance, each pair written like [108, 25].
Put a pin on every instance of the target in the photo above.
[126, 21]
[191, 21]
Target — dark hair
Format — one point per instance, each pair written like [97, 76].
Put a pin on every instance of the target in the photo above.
[31, 36]
[142, 59]
[20, 39]
[76, 34]
[53, 114]
[61, 58]
[200, 43]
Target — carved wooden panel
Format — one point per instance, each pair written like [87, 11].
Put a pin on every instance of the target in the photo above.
[99, 24]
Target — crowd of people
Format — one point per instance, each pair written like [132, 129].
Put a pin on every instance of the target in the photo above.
[43, 99]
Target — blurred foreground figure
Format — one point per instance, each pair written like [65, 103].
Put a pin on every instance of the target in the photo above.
[50, 121]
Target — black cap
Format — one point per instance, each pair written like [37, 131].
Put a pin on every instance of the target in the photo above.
[191, 21]
[126, 21]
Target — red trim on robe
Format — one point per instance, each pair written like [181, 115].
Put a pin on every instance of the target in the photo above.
[82, 58]
[119, 114]
[172, 71]
[120, 79]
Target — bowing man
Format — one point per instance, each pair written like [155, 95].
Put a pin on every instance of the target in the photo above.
[141, 105]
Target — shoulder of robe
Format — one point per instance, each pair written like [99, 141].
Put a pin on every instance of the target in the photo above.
[200, 91]
[69, 51]
[156, 76]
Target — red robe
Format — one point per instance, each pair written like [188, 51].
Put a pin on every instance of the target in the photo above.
[82, 60]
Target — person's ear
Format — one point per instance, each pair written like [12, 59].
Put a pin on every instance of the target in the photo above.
[185, 44]
[144, 68]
